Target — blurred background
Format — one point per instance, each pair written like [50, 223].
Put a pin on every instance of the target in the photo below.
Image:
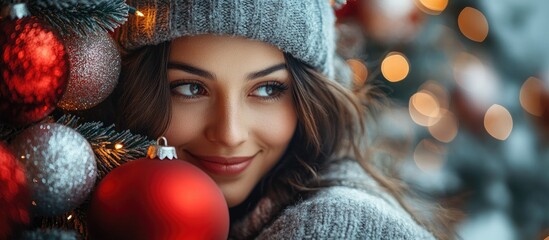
[469, 119]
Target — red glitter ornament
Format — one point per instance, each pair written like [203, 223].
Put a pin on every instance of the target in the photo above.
[14, 194]
[158, 199]
[34, 70]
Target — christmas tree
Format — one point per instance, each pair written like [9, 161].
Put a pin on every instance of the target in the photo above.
[40, 40]
[469, 121]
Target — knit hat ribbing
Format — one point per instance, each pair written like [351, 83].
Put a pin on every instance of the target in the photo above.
[302, 28]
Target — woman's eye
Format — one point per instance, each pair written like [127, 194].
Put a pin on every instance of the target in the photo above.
[189, 90]
[264, 91]
[270, 90]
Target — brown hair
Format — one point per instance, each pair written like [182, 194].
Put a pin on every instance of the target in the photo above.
[142, 96]
[331, 120]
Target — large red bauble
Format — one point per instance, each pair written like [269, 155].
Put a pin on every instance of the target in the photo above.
[34, 69]
[14, 194]
[158, 199]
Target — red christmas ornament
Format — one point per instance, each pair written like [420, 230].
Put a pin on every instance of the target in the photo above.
[14, 195]
[349, 9]
[34, 70]
[158, 199]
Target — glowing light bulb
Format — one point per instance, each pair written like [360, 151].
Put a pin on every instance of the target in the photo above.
[118, 146]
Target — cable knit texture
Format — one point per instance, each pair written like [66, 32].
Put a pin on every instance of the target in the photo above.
[356, 209]
[303, 28]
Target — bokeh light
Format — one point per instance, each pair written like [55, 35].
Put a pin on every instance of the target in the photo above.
[395, 67]
[426, 104]
[498, 122]
[473, 24]
[445, 128]
[360, 71]
[433, 7]
[531, 95]
[424, 108]
[439, 91]
[429, 155]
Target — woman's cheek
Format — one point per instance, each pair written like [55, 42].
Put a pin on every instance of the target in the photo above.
[185, 124]
[278, 124]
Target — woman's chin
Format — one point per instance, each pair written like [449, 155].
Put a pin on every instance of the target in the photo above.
[234, 199]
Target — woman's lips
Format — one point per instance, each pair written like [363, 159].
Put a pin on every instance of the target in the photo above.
[222, 165]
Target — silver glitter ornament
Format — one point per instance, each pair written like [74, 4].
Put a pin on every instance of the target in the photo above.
[95, 66]
[60, 166]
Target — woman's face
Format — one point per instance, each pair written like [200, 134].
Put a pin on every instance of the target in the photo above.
[232, 109]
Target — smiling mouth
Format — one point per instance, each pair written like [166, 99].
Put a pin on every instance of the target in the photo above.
[223, 165]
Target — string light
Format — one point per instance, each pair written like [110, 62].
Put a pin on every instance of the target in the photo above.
[395, 67]
[473, 24]
[136, 12]
[498, 122]
[433, 7]
[530, 96]
[118, 146]
[425, 103]
[424, 108]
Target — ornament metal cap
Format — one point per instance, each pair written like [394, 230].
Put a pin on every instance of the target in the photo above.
[161, 152]
[14, 11]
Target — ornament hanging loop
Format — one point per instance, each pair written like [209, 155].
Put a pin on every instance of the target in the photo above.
[161, 152]
[162, 138]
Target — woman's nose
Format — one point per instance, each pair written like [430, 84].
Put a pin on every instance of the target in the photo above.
[227, 125]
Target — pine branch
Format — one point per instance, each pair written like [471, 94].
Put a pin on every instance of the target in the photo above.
[111, 148]
[80, 17]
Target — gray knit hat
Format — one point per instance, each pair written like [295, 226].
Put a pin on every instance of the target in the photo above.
[303, 28]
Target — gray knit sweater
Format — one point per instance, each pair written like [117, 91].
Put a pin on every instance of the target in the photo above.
[347, 211]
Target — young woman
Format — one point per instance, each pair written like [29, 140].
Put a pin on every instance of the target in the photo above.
[245, 90]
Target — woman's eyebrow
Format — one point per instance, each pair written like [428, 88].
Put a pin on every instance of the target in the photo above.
[203, 73]
[191, 69]
[266, 71]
